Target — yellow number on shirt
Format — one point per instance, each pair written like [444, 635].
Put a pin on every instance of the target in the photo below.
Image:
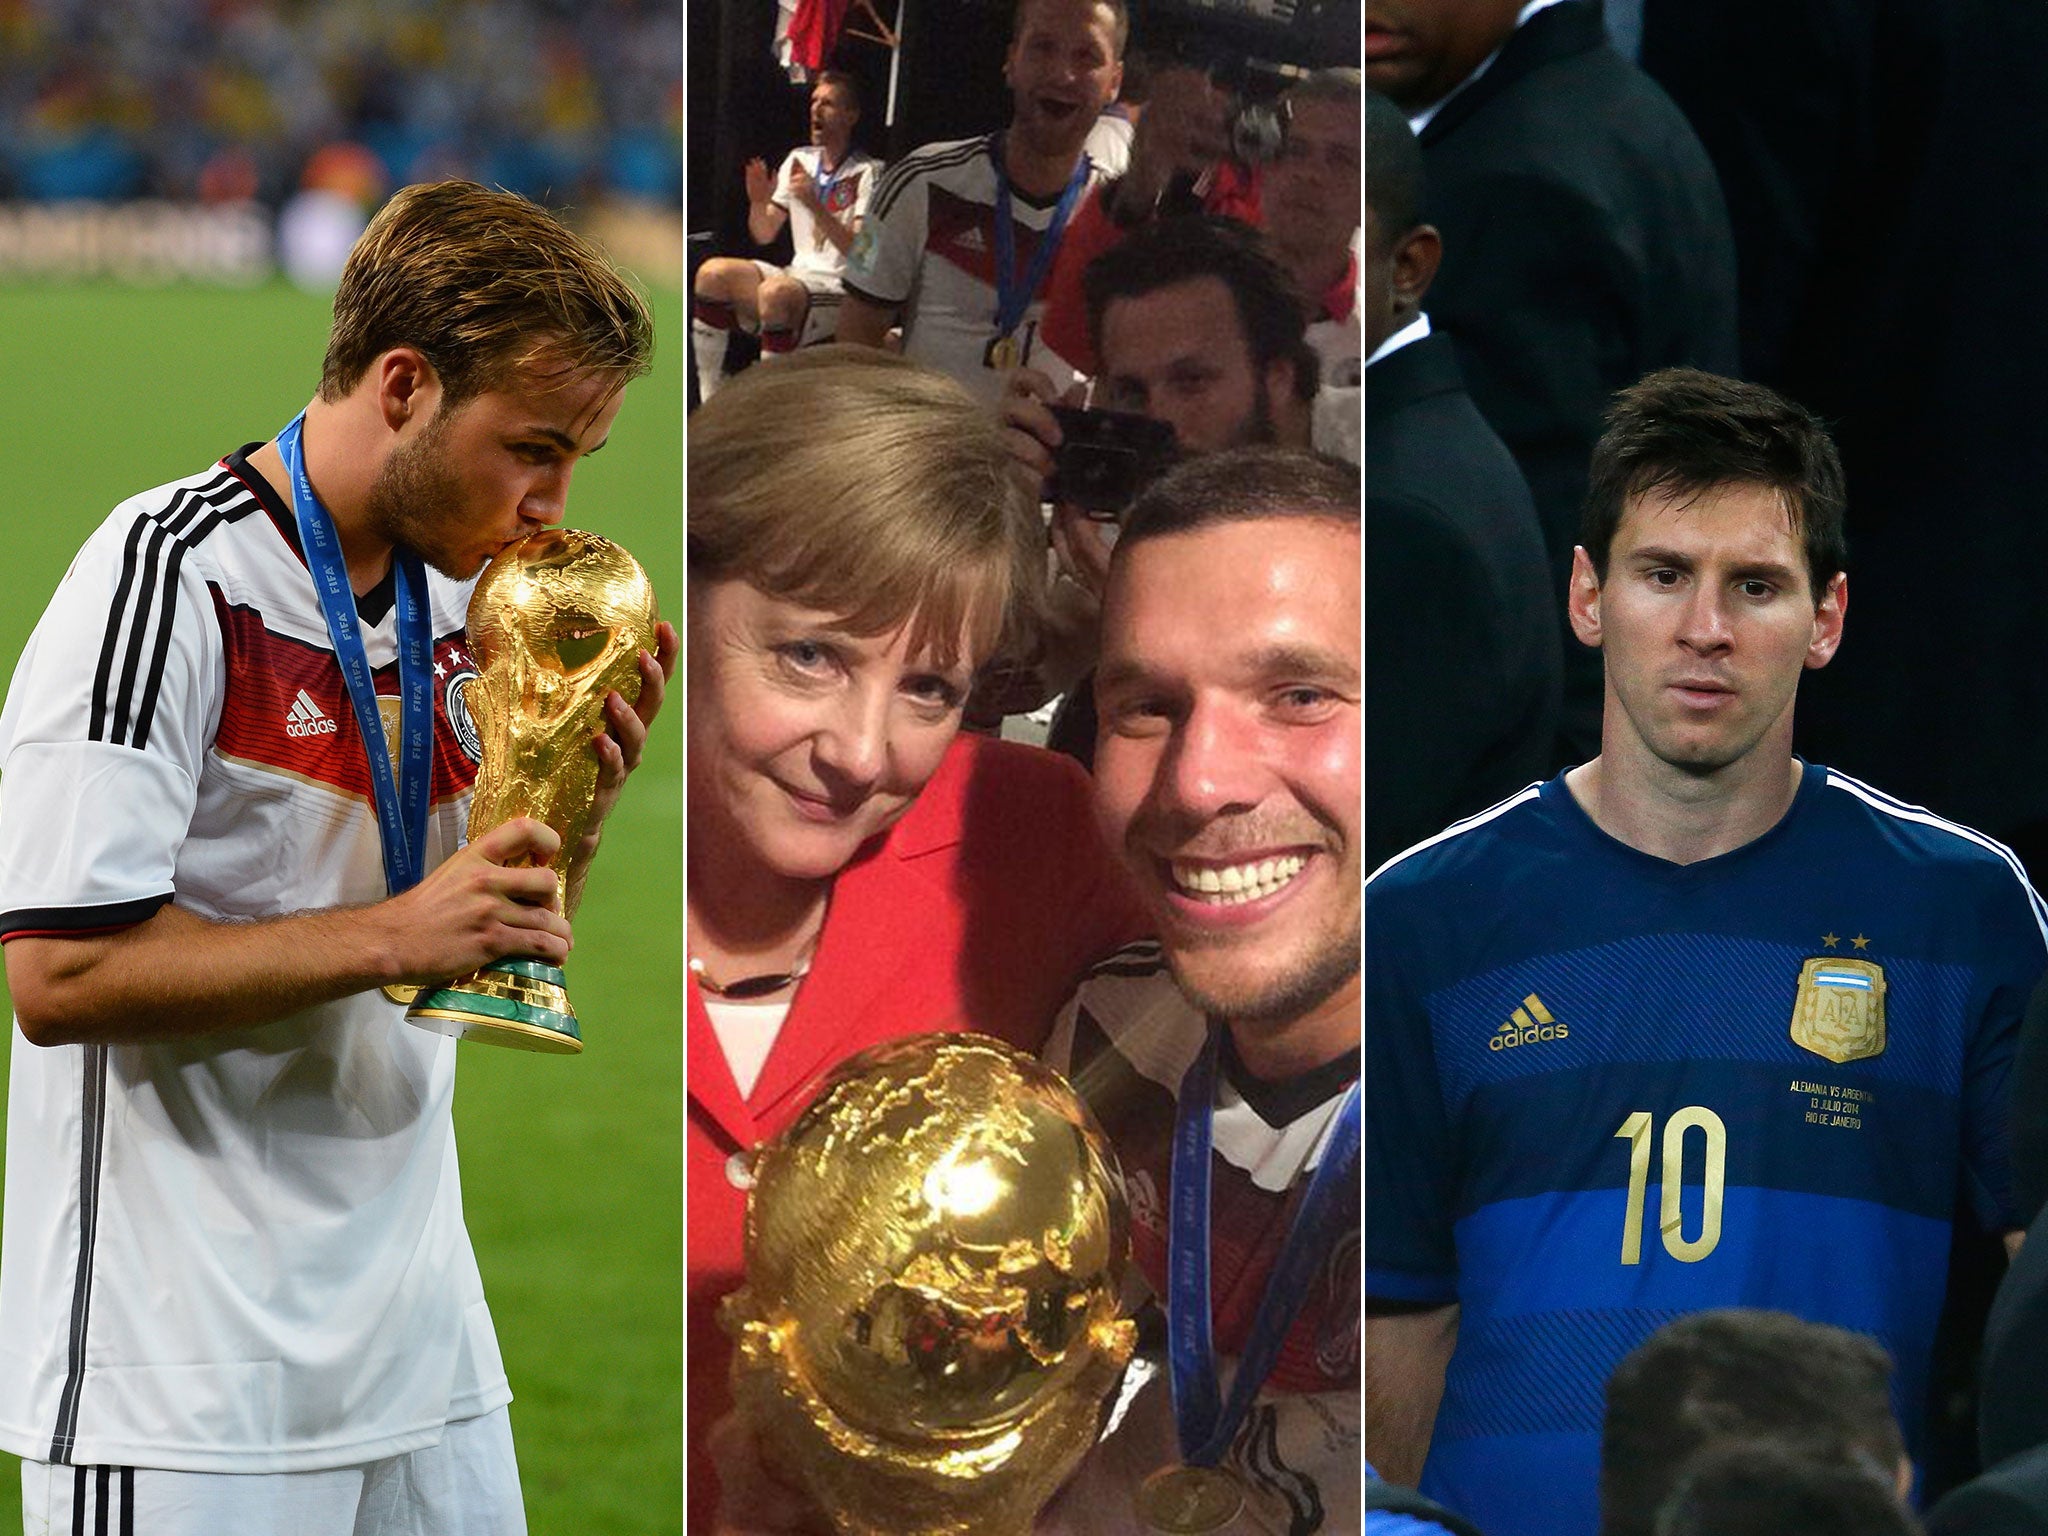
[1637, 1130]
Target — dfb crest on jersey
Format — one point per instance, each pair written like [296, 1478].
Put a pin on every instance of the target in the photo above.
[1839, 1011]
[456, 708]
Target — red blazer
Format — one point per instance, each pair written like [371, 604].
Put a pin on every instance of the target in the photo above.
[979, 910]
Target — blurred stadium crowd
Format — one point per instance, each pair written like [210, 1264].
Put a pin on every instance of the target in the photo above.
[249, 100]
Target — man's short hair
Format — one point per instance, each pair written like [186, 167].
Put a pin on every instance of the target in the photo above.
[1731, 1374]
[1680, 432]
[1242, 485]
[1393, 177]
[843, 80]
[1120, 33]
[490, 287]
[1271, 310]
[1767, 1487]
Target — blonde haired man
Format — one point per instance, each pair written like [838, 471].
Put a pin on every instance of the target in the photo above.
[820, 195]
[236, 1294]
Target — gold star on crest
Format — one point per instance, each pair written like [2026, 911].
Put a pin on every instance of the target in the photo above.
[1860, 942]
[1831, 939]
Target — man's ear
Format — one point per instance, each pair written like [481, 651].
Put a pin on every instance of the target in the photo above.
[407, 387]
[1582, 598]
[1417, 255]
[1828, 615]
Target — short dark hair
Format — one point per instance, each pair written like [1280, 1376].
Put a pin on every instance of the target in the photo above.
[1271, 310]
[843, 80]
[1393, 168]
[1680, 432]
[1764, 1487]
[1120, 33]
[1736, 1373]
[1242, 485]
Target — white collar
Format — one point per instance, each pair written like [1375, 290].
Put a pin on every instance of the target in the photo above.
[1410, 333]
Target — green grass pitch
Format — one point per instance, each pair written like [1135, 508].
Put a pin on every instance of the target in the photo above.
[572, 1167]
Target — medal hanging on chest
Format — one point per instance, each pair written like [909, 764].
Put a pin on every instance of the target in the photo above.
[1015, 291]
[1189, 1501]
[822, 184]
[1199, 1495]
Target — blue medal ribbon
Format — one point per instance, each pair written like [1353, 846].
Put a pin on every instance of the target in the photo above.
[1013, 297]
[1207, 1423]
[401, 801]
[824, 184]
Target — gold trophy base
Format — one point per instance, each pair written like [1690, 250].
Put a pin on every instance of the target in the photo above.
[522, 1004]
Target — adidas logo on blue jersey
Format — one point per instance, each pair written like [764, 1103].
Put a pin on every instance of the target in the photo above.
[1527, 1025]
[306, 718]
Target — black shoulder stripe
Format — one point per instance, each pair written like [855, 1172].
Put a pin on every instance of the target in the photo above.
[145, 711]
[123, 708]
[905, 171]
[138, 628]
[97, 729]
[900, 175]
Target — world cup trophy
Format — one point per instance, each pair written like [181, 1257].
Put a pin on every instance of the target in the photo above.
[929, 1323]
[556, 622]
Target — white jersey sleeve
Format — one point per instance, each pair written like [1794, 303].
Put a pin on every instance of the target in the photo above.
[883, 262]
[106, 727]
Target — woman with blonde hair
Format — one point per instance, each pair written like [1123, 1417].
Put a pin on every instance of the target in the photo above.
[857, 868]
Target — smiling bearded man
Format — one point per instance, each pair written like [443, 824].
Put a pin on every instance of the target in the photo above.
[961, 236]
[1228, 774]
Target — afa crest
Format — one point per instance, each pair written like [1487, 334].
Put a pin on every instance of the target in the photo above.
[1839, 1010]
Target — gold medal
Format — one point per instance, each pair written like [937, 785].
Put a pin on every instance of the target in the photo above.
[1002, 352]
[1189, 1501]
[401, 993]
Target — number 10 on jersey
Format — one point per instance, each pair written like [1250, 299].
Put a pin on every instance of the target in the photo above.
[1638, 1130]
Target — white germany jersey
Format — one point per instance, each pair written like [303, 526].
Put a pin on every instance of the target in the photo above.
[1126, 1041]
[818, 259]
[243, 1252]
[929, 245]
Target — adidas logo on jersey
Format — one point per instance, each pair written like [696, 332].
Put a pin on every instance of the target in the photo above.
[305, 718]
[1527, 1025]
[969, 239]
